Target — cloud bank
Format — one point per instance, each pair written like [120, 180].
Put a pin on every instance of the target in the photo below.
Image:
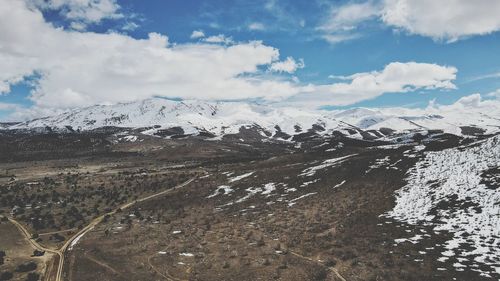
[443, 20]
[396, 77]
[448, 20]
[75, 69]
[84, 68]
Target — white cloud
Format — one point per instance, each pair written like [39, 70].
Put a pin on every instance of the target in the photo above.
[347, 17]
[486, 76]
[495, 94]
[448, 20]
[79, 26]
[85, 11]
[130, 26]
[396, 77]
[342, 22]
[85, 68]
[473, 100]
[197, 34]
[221, 38]
[466, 104]
[256, 26]
[9, 106]
[443, 20]
[289, 65]
[334, 38]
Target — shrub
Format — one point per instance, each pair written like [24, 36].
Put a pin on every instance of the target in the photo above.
[25, 267]
[33, 276]
[6, 275]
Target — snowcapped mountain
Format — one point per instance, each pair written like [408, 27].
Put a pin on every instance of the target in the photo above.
[221, 118]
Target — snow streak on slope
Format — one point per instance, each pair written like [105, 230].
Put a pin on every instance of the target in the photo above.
[446, 190]
[309, 172]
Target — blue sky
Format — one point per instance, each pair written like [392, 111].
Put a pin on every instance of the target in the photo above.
[331, 38]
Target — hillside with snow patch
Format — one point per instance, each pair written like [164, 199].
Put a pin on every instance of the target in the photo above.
[456, 190]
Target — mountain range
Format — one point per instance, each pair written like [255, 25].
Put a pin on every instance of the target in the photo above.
[167, 118]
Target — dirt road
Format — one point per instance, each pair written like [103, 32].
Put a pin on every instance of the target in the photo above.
[61, 252]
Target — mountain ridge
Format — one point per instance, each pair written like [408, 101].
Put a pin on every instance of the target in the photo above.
[223, 118]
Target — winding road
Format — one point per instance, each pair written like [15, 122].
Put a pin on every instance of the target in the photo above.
[61, 252]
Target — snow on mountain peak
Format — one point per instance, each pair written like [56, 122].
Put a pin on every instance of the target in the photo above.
[221, 118]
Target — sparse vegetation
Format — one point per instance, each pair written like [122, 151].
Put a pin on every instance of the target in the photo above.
[243, 234]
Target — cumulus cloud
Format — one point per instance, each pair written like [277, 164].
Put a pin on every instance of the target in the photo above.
[466, 104]
[473, 100]
[197, 34]
[444, 20]
[447, 20]
[396, 77]
[290, 65]
[73, 69]
[84, 68]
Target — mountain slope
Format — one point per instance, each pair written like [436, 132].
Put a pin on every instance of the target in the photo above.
[222, 118]
[456, 190]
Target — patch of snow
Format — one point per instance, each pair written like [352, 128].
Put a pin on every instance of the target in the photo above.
[379, 163]
[304, 184]
[413, 240]
[226, 189]
[294, 201]
[340, 184]
[268, 188]
[237, 178]
[129, 138]
[419, 148]
[444, 190]
[325, 164]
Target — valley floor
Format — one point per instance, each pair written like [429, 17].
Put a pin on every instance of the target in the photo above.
[193, 209]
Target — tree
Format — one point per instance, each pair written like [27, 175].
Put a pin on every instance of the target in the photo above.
[37, 253]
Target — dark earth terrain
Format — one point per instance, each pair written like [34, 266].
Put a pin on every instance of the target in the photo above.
[249, 209]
